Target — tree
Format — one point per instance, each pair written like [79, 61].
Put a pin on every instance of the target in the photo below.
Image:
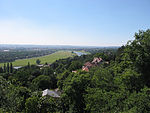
[28, 65]
[138, 102]
[75, 65]
[73, 92]
[16, 98]
[11, 68]
[44, 104]
[137, 52]
[31, 105]
[4, 68]
[22, 76]
[42, 82]
[102, 78]
[48, 104]
[101, 101]
[3, 91]
[48, 71]
[38, 61]
[46, 63]
[1, 70]
[62, 78]
[8, 67]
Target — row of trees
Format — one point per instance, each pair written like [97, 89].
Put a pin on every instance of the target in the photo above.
[7, 68]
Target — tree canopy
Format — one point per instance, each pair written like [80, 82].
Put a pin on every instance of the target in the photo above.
[121, 86]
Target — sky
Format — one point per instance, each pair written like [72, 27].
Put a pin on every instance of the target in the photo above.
[72, 22]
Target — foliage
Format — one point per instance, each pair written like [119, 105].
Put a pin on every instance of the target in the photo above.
[31, 105]
[74, 89]
[19, 53]
[121, 86]
[42, 82]
[50, 58]
[38, 61]
[138, 52]
[75, 65]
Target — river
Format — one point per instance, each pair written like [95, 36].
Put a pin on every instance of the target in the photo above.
[80, 53]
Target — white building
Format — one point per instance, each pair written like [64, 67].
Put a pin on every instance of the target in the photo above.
[50, 93]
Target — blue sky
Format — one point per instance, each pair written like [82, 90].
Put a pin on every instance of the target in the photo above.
[72, 22]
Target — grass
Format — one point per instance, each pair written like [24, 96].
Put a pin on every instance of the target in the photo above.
[48, 58]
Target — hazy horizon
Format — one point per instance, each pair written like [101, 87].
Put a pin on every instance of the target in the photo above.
[73, 23]
[55, 46]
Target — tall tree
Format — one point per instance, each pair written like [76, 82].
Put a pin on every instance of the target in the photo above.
[28, 64]
[8, 67]
[1, 70]
[11, 68]
[4, 68]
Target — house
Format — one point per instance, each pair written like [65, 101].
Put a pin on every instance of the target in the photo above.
[43, 65]
[97, 60]
[56, 93]
[74, 71]
[89, 65]
[40, 65]
[85, 69]
[18, 67]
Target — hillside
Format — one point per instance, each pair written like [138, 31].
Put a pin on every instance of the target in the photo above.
[106, 81]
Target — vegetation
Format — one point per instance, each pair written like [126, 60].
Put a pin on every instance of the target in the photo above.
[48, 58]
[38, 61]
[119, 84]
[22, 53]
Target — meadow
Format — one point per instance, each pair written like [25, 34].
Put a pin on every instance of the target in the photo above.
[48, 58]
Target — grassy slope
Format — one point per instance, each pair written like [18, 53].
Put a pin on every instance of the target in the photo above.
[48, 58]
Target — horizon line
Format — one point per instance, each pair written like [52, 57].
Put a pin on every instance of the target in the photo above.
[64, 45]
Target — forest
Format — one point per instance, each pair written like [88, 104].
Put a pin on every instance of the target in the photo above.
[117, 81]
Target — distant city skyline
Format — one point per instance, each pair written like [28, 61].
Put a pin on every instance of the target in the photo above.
[72, 22]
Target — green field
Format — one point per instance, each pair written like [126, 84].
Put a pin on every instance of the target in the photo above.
[48, 58]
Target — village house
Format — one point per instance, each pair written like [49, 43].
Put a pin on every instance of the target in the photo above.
[85, 69]
[96, 61]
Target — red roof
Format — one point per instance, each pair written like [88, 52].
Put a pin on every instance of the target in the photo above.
[88, 64]
[85, 69]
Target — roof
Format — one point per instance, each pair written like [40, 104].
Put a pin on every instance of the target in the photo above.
[88, 64]
[50, 93]
[97, 60]
[17, 67]
[74, 71]
[40, 65]
[85, 69]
